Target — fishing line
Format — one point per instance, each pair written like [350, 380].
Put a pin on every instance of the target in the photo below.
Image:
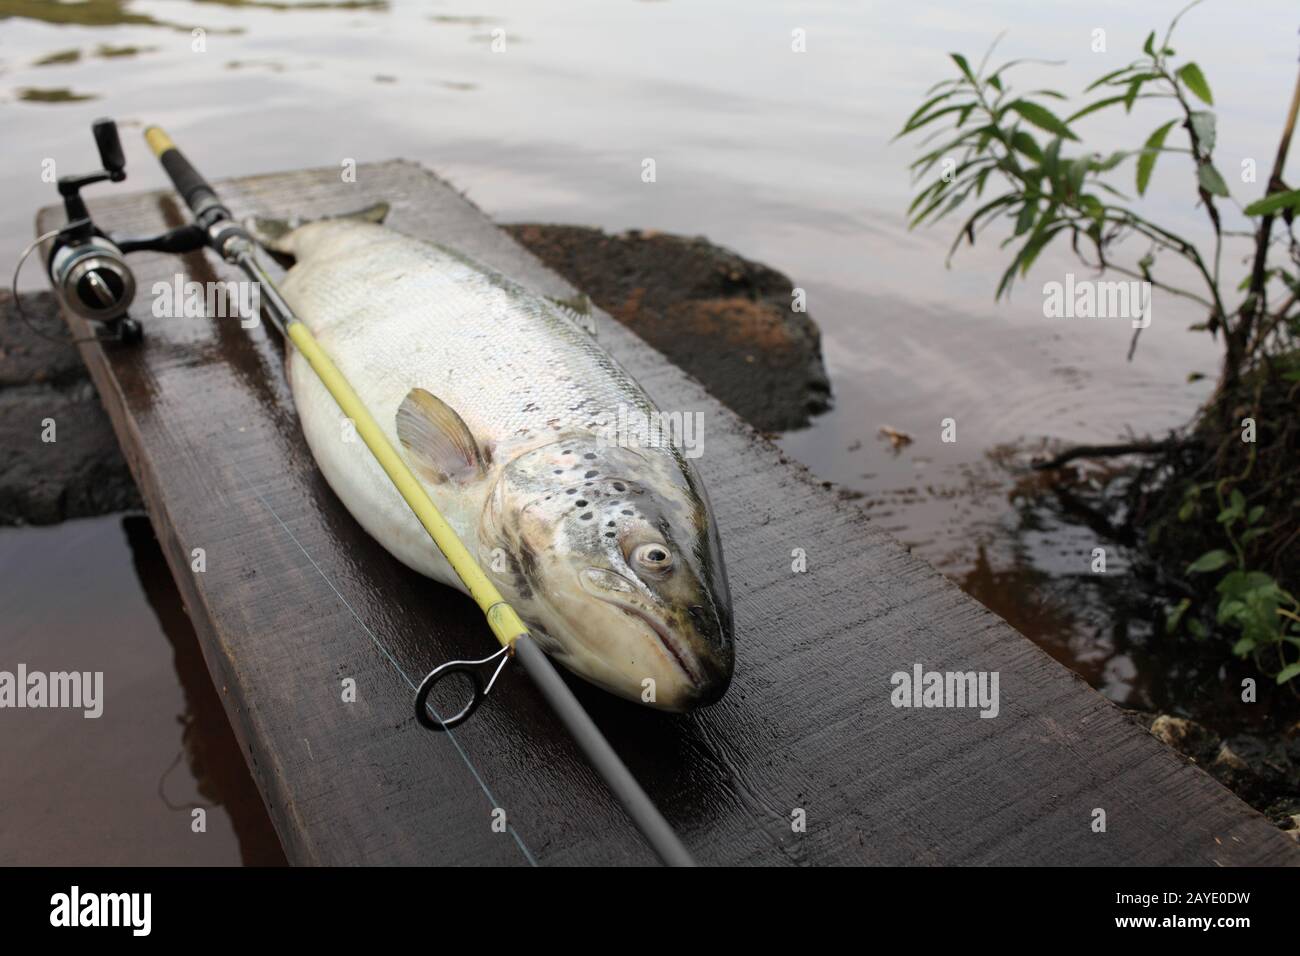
[18, 300]
[492, 801]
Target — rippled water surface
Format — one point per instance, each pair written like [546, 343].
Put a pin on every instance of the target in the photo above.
[785, 157]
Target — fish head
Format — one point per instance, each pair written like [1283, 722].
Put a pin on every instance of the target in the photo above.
[617, 562]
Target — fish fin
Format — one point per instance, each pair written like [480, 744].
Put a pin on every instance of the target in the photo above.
[437, 440]
[277, 234]
[579, 303]
[376, 212]
[578, 309]
[270, 233]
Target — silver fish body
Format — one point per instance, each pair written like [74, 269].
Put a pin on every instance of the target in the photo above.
[501, 402]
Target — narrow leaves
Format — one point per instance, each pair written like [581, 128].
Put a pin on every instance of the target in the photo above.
[963, 66]
[1194, 80]
[1209, 561]
[1203, 127]
[1271, 204]
[1093, 107]
[1041, 117]
[1211, 181]
[1150, 151]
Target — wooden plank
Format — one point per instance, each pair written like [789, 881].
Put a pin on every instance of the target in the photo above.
[208, 426]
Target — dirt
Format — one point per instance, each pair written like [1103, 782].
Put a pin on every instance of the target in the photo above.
[1262, 770]
[726, 320]
[46, 393]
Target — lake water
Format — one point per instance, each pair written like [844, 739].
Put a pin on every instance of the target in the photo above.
[123, 787]
[785, 157]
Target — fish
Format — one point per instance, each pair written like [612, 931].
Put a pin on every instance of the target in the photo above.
[500, 401]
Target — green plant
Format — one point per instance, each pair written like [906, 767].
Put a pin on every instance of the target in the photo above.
[1021, 149]
[1266, 616]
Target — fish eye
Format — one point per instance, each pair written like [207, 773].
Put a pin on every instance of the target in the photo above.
[652, 557]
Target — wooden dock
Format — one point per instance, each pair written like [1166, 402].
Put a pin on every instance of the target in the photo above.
[296, 598]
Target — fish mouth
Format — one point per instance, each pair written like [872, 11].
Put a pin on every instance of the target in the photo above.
[684, 661]
[705, 679]
[672, 645]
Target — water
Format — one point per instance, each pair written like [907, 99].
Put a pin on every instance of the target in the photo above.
[784, 157]
[122, 788]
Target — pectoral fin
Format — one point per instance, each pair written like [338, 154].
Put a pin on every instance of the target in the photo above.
[438, 443]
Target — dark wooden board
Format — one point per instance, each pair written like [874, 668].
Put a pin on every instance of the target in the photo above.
[208, 426]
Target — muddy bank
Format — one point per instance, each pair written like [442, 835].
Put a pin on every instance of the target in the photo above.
[45, 392]
[724, 319]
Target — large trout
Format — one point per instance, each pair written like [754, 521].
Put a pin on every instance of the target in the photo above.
[501, 401]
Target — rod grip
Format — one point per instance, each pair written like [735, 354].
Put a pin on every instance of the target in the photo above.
[193, 188]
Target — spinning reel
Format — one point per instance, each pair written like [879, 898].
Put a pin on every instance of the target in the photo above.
[87, 267]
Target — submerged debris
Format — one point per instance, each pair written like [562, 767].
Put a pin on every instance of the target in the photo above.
[897, 439]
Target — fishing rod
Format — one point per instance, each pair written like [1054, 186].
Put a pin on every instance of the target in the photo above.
[90, 277]
[225, 236]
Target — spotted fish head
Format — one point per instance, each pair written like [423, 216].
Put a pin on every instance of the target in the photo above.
[614, 557]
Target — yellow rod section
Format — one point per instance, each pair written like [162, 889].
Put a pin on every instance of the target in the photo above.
[501, 617]
[158, 141]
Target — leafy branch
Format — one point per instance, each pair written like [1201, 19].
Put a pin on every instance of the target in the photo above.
[1051, 192]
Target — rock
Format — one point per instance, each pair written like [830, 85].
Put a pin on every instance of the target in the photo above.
[1256, 770]
[1187, 737]
[724, 319]
[1285, 813]
[81, 472]
[1228, 763]
[28, 359]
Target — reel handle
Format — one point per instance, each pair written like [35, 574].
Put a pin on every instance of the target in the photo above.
[110, 148]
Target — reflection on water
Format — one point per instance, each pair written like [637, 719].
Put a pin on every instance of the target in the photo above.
[57, 59]
[209, 748]
[110, 13]
[96, 595]
[1106, 626]
[61, 95]
[84, 13]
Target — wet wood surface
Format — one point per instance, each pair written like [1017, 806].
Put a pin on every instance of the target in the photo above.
[296, 598]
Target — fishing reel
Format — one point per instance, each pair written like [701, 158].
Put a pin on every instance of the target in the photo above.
[87, 270]
[86, 266]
